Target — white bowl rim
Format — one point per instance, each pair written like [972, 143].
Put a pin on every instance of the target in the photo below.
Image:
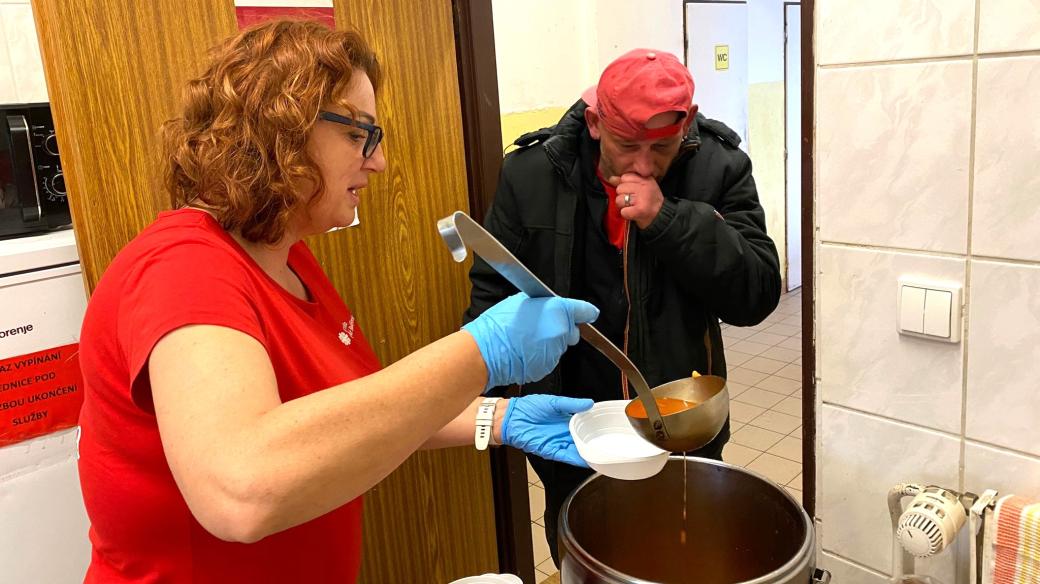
[581, 444]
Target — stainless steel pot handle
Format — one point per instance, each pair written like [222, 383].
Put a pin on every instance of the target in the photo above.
[459, 230]
[821, 576]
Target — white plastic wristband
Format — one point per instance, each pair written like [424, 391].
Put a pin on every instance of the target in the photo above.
[485, 422]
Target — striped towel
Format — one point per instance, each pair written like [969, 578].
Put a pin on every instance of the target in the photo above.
[1013, 547]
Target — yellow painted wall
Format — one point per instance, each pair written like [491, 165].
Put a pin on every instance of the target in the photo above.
[766, 147]
[517, 123]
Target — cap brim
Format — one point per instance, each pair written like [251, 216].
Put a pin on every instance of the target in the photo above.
[589, 96]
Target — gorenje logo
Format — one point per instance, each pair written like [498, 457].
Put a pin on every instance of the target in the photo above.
[18, 330]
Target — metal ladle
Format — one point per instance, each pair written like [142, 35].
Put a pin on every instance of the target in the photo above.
[459, 230]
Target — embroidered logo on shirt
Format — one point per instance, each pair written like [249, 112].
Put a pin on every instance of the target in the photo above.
[346, 336]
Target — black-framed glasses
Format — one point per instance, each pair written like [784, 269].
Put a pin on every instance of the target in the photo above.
[374, 133]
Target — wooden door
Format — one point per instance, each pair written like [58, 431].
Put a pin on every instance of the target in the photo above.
[433, 519]
[115, 69]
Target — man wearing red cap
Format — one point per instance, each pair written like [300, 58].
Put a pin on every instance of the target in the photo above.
[636, 203]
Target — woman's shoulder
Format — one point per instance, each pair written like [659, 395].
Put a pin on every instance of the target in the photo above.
[183, 232]
[182, 226]
[183, 243]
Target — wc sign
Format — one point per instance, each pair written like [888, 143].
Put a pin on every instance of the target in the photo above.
[721, 57]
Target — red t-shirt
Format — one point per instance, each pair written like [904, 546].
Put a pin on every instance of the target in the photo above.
[184, 269]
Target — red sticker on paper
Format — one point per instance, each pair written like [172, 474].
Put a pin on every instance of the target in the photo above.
[40, 393]
[249, 15]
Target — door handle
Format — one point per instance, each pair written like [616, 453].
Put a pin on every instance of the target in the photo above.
[21, 158]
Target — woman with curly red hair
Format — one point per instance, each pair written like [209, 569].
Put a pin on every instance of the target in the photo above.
[234, 412]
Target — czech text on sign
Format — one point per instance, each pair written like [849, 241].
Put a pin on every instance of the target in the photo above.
[721, 57]
[40, 393]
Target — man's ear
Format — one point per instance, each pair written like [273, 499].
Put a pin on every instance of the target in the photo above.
[689, 118]
[592, 121]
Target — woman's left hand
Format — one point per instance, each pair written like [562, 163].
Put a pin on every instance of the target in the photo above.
[540, 425]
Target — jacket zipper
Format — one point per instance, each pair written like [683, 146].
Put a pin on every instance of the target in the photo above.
[628, 297]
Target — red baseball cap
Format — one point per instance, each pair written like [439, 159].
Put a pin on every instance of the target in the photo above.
[637, 86]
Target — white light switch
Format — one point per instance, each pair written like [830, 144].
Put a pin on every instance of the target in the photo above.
[911, 309]
[937, 313]
[930, 310]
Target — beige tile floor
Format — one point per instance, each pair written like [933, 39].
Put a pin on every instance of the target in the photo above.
[765, 385]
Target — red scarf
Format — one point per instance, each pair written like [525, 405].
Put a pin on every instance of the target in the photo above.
[614, 224]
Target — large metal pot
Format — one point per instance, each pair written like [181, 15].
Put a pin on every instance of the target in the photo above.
[740, 528]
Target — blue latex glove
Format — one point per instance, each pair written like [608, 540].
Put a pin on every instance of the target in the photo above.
[521, 339]
[539, 425]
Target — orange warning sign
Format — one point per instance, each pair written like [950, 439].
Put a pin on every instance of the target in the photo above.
[39, 393]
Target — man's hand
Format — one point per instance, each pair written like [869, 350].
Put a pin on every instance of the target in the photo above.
[639, 198]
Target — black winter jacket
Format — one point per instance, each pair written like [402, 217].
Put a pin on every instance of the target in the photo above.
[705, 257]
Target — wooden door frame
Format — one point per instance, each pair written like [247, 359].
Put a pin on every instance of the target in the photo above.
[808, 69]
[482, 133]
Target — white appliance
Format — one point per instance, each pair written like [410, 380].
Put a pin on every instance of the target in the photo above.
[43, 524]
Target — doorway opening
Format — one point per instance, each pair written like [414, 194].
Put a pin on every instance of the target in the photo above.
[771, 365]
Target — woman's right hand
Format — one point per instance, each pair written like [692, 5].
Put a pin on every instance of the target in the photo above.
[521, 339]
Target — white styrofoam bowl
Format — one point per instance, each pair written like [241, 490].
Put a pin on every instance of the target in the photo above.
[611, 446]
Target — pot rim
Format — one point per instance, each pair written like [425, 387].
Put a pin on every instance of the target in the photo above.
[604, 570]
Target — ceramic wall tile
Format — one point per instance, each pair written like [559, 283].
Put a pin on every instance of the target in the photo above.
[8, 94]
[844, 572]
[24, 53]
[988, 467]
[861, 457]
[854, 31]
[1006, 218]
[1009, 25]
[893, 155]
[1004, 355]
[863, 361]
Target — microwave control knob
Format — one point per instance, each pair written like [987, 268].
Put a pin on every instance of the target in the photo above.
[58, 184]
[50, 144]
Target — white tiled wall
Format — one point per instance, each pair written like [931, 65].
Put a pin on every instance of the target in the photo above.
[1006, 210]
[861, 456]
[7, 88]
[1004, 354]
[21, 67]
[863, 361]
[1009, 25]
[989, 467]
[896, 172]
[926, 166]
[844, 572]
[854, 31]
